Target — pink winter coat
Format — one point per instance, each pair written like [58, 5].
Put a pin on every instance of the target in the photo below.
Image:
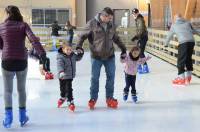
[130, 66]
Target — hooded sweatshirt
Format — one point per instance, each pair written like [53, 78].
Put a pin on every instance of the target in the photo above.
[183, 30]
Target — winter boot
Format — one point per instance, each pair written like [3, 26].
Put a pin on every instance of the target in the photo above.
[23, 118]
[8, 118]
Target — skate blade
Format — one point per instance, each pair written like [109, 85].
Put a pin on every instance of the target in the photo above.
[8, 126]
[72, 111]
[178, 85]
[112, 107]
[22, 124]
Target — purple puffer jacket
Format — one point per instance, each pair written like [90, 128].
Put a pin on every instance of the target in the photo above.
[12, 40]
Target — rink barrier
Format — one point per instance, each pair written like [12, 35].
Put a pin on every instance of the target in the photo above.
[156, 47]
[155, 44]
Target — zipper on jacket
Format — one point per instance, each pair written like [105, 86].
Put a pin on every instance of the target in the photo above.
[71, 66]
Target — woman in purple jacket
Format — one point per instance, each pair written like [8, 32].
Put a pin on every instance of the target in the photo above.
[13, 32]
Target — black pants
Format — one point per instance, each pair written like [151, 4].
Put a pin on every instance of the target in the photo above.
[185, 51]
[130, 82]
[66, 89]
[142, 43]
[46, 64]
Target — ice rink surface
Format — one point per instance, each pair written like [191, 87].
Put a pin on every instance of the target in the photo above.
[161, 107]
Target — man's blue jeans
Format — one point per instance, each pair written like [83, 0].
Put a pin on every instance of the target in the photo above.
[109, 65]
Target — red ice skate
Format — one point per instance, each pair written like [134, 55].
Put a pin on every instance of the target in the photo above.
[91, 104]
[49, 76]
[188, 80]
[178, 81]
[71, 107]
[60, 102]
[112, 103]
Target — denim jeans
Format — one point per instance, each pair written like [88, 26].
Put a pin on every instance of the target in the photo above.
[109, 65]
[54, 39]
[8, 77]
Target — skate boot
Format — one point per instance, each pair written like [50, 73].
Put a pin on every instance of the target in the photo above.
[145, 68]
[23, 118]
[112, 103]
[8, 118]
[91, 103]
[48, 76]
[134, 98]
[71, 106]
[60, 102]
[139, 69]
[188, 80]
[51, 75]
[178, 81]
[125, 96]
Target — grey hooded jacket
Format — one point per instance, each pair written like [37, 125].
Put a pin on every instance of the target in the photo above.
[183, 30]
[67, 64]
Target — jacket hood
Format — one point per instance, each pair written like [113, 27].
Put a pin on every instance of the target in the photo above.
[97, 17]
[180, 21]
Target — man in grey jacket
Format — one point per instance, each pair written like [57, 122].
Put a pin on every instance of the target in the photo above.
[101, 34]
[184, 32]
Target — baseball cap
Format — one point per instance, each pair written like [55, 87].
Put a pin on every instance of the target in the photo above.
[135, 10]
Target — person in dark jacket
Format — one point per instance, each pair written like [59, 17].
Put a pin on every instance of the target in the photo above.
[141, 36]
[13, 32]
[44, 65]
[54, 34]
[66, 66]
[101, 34]
[70, 31]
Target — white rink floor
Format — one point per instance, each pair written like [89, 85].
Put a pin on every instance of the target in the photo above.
[161, 107]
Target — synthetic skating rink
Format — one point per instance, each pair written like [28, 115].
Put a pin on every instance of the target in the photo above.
[161, 107]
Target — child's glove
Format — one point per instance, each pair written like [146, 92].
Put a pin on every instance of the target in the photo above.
[61, 75]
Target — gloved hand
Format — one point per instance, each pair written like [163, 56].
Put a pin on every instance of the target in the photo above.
[135, 38]
[123, 55]
[80, 51]
[61, 75]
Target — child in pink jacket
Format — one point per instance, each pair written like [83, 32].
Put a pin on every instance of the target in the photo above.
[131, 62]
